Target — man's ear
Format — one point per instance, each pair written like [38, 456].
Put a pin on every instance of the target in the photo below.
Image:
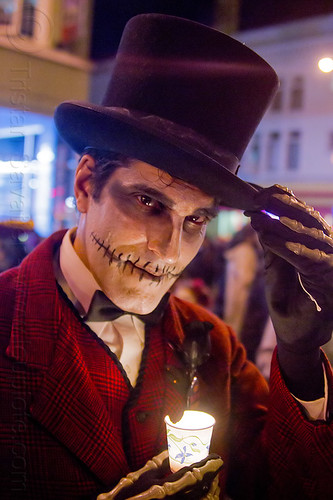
[82, 183]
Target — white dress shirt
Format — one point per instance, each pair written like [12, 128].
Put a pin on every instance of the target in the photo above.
[125, 336]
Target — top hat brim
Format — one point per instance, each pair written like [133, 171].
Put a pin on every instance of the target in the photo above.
[85, 125]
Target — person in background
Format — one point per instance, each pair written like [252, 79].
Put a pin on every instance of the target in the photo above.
[265, 349]
[94, 351]
[245, 307]
[200, 281]
[17, 239]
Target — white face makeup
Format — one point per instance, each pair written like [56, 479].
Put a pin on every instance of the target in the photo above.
[142, 232]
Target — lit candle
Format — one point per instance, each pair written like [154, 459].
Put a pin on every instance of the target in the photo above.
[189, 439]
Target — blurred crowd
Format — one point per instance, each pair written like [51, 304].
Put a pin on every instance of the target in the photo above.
[226, 277]
[17, 239]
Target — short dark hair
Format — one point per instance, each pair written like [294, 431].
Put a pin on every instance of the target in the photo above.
[106, 163]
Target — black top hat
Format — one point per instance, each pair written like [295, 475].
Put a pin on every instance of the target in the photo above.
[183, 97]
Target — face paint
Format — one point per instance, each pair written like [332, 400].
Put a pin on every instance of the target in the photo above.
[142, 232]
[123, 261]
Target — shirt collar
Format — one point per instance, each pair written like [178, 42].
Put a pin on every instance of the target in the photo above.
[79, 279]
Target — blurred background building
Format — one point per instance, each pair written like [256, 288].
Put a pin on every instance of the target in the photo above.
[54, 50]
[294, 143]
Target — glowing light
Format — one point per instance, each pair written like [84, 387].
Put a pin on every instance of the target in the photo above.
[325, 64]
[189, 439]
[193, 420]
[272, 216]
[33, 183]
[70, 202]
[23, 237]
[45, 154]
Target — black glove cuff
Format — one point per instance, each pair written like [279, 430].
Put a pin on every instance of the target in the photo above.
[302, 372]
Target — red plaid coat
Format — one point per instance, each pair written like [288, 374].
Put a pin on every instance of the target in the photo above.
[71, 426]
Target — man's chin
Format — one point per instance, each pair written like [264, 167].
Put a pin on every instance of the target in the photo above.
[136, 305]
[141, 310]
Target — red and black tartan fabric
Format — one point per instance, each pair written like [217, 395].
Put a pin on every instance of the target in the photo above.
[71, 426]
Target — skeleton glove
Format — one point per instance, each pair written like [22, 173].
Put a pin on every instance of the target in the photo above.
[199, 481]
[298, 248]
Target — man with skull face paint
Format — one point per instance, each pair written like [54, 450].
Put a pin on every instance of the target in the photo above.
[92, 345]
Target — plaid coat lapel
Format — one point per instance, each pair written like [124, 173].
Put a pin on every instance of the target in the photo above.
[66, 401]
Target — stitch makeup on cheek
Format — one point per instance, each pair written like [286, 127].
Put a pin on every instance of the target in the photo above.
[111, 255]
[153, 274]
[127, 261]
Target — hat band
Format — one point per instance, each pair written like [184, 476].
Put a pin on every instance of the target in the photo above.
[184, 137]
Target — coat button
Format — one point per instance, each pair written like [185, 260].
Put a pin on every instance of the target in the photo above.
[141, 416]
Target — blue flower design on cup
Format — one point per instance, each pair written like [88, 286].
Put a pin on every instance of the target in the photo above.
[188, 440]
[186, 447]
[182, 455]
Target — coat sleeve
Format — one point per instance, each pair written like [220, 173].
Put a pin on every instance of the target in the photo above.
[286, 456]
[300, 452]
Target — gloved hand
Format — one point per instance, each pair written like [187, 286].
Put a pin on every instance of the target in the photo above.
[154, 480]
[298, 252]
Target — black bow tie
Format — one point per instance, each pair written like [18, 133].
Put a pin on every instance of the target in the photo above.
[103, 309]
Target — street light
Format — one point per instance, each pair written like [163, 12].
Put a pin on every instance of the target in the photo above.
[325, 64]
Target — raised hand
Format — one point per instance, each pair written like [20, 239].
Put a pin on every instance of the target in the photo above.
[298, 252]
[298, 245]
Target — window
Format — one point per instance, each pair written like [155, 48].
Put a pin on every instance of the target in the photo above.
[293, 154]
[274, 146]
[18, 148]
[297, 93]
[12, 148]
[27, 21]
[330, 146]
[28, 17]
[17, 17]
[330, 142]
[277, 101]
[255, 153]
[9, 17]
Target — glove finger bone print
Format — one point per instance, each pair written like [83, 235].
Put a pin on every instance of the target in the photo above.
[310, 215]
[155, 465]
[281, 201]
[199, 481]
[313, 232]
[299, 235]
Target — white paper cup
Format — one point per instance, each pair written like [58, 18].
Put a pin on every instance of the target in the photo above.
[189, 439]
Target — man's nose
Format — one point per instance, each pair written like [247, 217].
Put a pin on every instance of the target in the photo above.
[165, 240]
